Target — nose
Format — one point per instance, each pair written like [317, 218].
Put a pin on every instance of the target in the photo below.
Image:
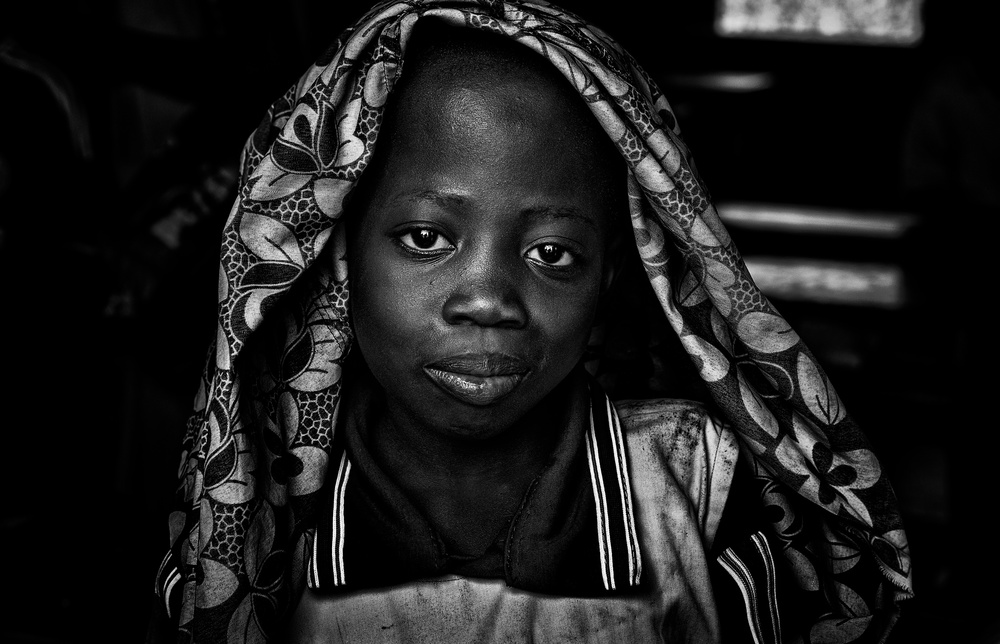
[486, 295]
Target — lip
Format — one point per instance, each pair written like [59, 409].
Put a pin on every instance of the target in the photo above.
[478, 378]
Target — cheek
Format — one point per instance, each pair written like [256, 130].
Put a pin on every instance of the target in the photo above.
[382, 308]
[567, 318]
[389, 313]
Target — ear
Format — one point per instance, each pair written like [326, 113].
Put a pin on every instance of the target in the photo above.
[619, 246]
[611, 270]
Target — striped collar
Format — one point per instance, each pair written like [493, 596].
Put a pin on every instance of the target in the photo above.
[574, 533]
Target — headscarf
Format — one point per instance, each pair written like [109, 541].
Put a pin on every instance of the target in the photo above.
[257, 449]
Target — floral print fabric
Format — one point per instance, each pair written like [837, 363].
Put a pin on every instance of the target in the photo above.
[257, 448]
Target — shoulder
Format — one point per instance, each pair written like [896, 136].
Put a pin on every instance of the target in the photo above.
[678, 430]
[663, 416]
[679, 445]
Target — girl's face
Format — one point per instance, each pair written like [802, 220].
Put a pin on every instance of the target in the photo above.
[477, 259]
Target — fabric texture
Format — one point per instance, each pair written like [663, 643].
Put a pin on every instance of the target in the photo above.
[257, 450]
[681, 464]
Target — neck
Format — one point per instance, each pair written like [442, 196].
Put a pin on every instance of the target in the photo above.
[467, 488]
[409, 449]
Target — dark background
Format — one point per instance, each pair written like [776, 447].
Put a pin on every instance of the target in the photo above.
[120, 126]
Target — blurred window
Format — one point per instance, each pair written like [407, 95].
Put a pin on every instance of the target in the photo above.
[829, 282]
[883, 22]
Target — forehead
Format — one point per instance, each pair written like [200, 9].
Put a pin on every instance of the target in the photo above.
[470, 104]
[486, 118]
[460, 65]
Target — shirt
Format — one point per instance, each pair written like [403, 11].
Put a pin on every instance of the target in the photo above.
[678, 463]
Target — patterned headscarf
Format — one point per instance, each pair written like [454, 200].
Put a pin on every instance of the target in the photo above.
[257, 448]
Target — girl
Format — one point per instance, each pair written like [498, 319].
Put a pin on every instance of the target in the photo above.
[429, 452]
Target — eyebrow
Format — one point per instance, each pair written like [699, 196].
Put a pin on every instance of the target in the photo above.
[447, 200]
[559, 212]
[454, 201]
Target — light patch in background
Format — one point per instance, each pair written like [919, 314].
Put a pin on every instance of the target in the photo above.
[829, 282]
[724, 81]
[818, 221]
[877, 22]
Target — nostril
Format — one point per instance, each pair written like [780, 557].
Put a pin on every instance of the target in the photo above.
[485, 309]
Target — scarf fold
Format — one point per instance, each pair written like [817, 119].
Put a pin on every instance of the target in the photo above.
[258, 446]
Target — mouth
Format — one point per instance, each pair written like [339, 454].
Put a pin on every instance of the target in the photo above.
[478, 378]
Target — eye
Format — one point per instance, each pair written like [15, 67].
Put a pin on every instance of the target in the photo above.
[550, 254]
[423, 240]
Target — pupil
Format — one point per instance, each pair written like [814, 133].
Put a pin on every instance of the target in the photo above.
[424, 238]
[551, 253]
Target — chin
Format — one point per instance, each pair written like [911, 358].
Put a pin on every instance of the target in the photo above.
[478, 424]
